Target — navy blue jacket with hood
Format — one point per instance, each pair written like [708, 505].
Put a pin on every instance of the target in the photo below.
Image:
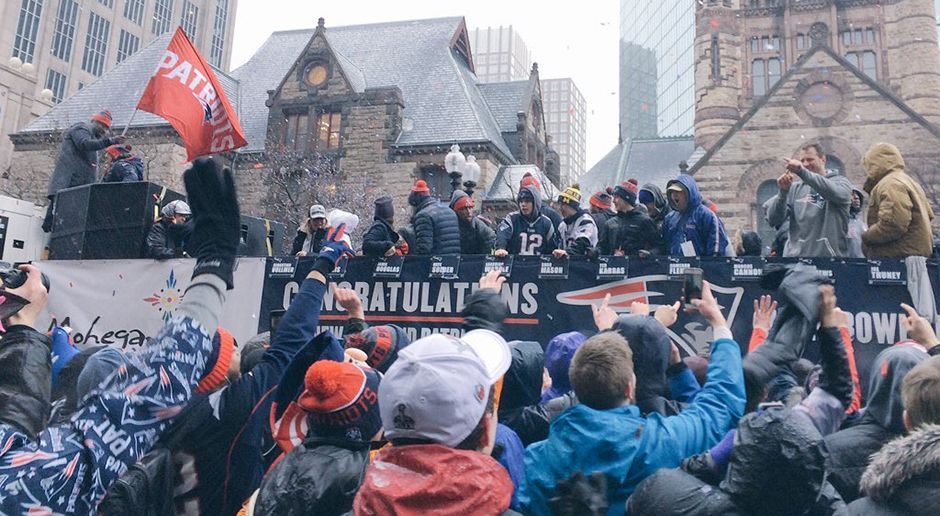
[697, 224]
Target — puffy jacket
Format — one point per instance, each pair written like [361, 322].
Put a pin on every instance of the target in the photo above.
[627, 447]
[601, 218]
[629, 232]
[379, 238]
[436, 229]
[903, 478]
[817, 208]
[881, 421]
[476, 236]
[551, 213]
[25, 379]
[219, 462]
[697, 224]
[68, 468]
[662, 205]
[899, 215]
[414, 479]
[321, 476]
[77, 162]
[166, 240]
[125, 171]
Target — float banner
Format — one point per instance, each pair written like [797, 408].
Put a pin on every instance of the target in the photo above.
[122, 302]
[541, 307]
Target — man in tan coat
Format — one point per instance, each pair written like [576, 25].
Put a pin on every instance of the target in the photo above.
[899, 213]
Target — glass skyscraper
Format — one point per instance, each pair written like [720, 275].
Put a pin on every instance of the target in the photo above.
[657, 39]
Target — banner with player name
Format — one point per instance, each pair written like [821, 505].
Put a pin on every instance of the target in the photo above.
[547, 296]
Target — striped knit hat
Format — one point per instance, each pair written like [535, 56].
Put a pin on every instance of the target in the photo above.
[223, 347]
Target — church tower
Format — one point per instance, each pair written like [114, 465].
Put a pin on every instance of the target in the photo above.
[912, 55]
[718, 43]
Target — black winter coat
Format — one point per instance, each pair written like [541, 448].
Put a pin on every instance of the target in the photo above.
[651, 347]
[601, 218]
[522, 391]
[849, 453]
[301, 237]
[630, 232]
[321, 476]
[436, 229]
[25, 379]
[476, 237]
[379, 238]
[903, 478]
[77, 162]
[167, 240]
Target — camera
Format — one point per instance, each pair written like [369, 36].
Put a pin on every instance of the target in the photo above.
[13, 277]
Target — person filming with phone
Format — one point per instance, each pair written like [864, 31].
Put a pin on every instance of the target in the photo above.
[816, 202]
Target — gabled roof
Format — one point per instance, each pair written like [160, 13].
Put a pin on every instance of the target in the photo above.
[119, 90]
[797, 68]
[506, 99]
[650, 160]
[506, 184]
[441, 96]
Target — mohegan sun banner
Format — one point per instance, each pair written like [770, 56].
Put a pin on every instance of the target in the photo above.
[122, 302]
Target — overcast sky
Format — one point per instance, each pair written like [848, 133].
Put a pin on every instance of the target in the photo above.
[569, 39]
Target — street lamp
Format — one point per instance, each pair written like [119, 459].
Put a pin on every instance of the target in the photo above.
[471, 172]
[454, 163]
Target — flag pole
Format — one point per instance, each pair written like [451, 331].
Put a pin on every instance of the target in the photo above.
[126, 127]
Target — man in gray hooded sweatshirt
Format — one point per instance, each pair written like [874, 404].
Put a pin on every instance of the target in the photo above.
[816, 203]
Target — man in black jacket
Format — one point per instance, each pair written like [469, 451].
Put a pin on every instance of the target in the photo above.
[77, 162]
[168, 236]
[630, 232]
[435, 225]
[381, 238]
[125, 167]
[476, 236]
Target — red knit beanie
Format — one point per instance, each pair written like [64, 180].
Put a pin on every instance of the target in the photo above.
[342, 399]
[102, 117]
[529, 180]
[421, 187]
[223, 347]
[601, 200]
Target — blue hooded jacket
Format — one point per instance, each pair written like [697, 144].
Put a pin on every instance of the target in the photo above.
[627, 447]
[697, 224]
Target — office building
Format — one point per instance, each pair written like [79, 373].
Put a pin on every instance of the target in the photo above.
[566, 122]
[657, 55]
[500, 55]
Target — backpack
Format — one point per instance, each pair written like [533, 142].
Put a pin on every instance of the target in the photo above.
[146, 488]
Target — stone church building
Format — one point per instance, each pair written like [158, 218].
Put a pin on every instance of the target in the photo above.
[774, 75]
[337, 115]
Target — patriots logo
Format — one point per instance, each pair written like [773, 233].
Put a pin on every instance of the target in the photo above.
[690, 333]
[206, 109]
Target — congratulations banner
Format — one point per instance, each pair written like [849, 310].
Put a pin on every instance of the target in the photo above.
[547, 297]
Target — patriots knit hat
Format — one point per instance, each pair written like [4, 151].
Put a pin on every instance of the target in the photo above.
[571, 196]
[421, 187]
[601, 200]
[626, 191]
[381, 345]
[342, 399]
[116, 151]
[102, 117]
[223, 347]
[461, 200]
[384, 208]
[529, 180]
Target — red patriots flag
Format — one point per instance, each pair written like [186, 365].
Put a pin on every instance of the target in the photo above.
[185, 91]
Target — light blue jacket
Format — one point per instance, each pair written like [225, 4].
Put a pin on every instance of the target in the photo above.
[627, 447]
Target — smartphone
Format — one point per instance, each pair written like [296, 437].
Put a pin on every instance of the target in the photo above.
[692, 287]
[275, 320]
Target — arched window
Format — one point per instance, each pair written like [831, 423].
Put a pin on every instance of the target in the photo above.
[765, 191]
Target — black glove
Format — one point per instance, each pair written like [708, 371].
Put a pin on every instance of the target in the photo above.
[578, 495]
[216, 220]
[333, 249]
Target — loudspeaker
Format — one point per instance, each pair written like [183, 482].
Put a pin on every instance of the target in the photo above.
[260, 237]
[106, 220]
